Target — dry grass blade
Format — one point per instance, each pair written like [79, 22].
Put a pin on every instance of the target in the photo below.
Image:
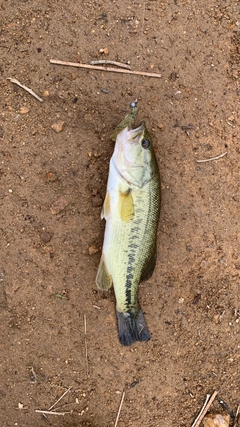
[25, 88]
[86, 348]
[200, 413]
[52, 412]
[49, 412]
[96, 67]
[119, 410]
[60, 398]
[236, 417]
[212, 158]
[209, 400]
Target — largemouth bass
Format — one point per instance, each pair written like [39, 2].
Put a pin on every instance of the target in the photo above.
[131, 209]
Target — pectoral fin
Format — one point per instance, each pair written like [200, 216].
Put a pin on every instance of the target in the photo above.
[148, 270]
[126, 206]
[103, 278]
[106, 207]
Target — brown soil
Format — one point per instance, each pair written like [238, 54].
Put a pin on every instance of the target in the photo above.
[50, 251]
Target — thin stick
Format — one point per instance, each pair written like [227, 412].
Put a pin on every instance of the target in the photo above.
[213, 158]
[26, 88]
[63, 406]
[236, 417]
[119, 410]
[86, 349]
[52, 412]
[105, 61]
[60, 398]
[95, 67]
[209, 400]
[200, 413]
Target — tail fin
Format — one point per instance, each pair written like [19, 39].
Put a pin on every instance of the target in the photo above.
[132, 328]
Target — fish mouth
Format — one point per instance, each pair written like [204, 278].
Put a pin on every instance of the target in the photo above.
[134, 133]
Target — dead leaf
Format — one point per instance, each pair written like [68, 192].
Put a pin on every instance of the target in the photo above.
[59, 205]
[216, 420]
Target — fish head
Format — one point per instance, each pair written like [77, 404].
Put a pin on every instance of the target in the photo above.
[134, 157]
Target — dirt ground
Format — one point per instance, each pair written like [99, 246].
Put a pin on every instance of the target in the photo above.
[50, 309]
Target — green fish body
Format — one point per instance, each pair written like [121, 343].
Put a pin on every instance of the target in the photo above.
[131, 210]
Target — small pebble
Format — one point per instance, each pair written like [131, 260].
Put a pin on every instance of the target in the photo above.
[216, 420]
[59, 205]
[45, 237]
[97, 153]
[105, 51]
[51, 176]
[24, 110]
[58, 126]
[97, 200]
[92, 250]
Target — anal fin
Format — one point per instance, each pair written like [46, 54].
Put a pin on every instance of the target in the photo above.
[148, 270]
[103, 278]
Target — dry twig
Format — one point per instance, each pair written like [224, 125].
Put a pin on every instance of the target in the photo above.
[236, 417]
[106, 61]
[60, 398]
[209, 400]
[49, 412]
[86, 349]
[213, 158]
[96, 67]
[25, 88]
[119, 410]
[52, 412]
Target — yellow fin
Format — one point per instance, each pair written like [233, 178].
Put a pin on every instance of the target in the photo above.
[126, 206]
[106, 207]
[103, 278]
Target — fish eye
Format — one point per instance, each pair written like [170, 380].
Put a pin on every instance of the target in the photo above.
[145, 143]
